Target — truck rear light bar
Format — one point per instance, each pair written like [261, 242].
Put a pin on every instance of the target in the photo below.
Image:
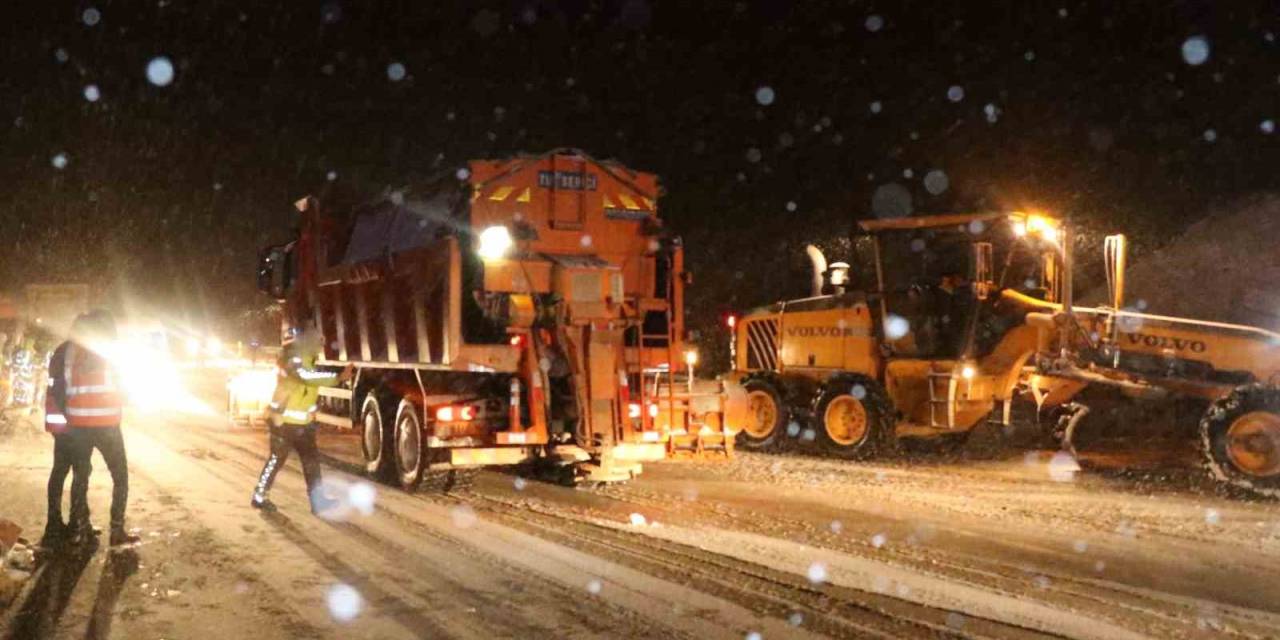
[634, 410]
[455, 413]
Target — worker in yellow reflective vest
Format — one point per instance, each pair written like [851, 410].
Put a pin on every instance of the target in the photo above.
[292, 418]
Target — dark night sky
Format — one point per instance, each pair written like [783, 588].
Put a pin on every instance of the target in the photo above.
[1081, 108]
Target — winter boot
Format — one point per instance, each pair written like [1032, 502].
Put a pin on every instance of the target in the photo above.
[121, 538]
[83, 533]
[55, 534]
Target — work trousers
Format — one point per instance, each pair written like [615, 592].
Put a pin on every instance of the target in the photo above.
[64, 458]
[300, 438]
[110, 443]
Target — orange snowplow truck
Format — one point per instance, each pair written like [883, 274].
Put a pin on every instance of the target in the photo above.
[527, 310]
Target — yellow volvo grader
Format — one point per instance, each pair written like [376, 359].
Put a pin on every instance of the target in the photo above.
[921, 336]
[941, 320]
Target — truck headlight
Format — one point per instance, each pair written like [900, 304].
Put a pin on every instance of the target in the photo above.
[495, 242]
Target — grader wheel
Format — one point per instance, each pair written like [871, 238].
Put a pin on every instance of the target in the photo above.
[856, 417]
[766, 417]
[1240, 438]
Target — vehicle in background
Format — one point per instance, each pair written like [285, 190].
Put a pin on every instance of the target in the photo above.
[54, 306]
[528, 309]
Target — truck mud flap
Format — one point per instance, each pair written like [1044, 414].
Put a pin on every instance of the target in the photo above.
[704, 445]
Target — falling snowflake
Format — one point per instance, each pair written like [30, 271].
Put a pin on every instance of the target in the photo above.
[917, 245]
[1210, 135]
[836, 526]
[59, 161]
[878, 540]
[1029, 56]
[1267, 126]
[874, 23]
[90, 16]
[977, 227]
[363, 496]
[160, 71]
[91, 93]
[1195, 50]
[331, 176]
[1080, 546]
[463, 516]
[858, 392]
[791, 205]
[594, 586]
[795, 619]
[955, 93]
[936, 182]
[765, 96]
[895, 327]
[395, 72]
[876, 106]
[519, 484]
[890, 200]
[753, 155]
[992, 112]
[1063, 467]
[817, 573]
[344, 602]
[1211, 516]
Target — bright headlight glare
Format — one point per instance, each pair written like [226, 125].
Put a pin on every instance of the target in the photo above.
[495, 242]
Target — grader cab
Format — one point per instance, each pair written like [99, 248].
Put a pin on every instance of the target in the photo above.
[922, 336]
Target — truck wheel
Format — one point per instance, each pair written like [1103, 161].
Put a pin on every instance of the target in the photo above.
[766, 417]
[1240, 438]
[410, 447]
[374, 442]
[856, 417]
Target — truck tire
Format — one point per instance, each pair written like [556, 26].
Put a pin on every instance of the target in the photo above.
[854, 417]
[766, 417]
[375, 440]
[409, 447]
[1240, 439]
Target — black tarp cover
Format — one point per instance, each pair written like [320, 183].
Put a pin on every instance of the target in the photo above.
[386, 228]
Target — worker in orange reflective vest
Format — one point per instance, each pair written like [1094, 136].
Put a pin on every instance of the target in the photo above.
[292, 417]
[56, 531]
[94, 406]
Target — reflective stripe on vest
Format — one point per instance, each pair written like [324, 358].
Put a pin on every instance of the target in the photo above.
[93, 399]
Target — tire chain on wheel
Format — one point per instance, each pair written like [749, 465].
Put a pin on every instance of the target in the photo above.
[449, 480]
[1219, 416]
